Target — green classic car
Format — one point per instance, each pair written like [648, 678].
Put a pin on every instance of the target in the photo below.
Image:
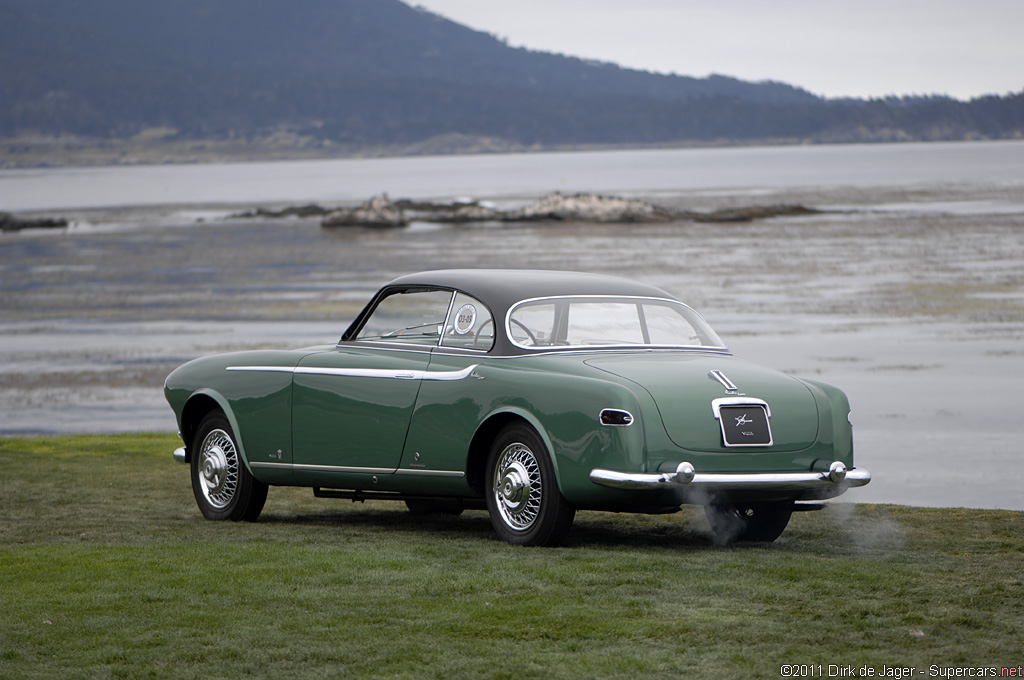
[532, 394]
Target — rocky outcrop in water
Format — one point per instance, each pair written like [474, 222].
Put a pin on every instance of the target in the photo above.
[379, 211]
[9, 222]
[589, 208]
[459, 212]
[749, 213]
[309, 210]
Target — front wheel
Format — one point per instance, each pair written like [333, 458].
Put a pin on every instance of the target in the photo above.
[523, 499]
[223, 487]
[760, 522]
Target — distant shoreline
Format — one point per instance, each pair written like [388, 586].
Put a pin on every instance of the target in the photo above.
[51, 152]
[514, 179]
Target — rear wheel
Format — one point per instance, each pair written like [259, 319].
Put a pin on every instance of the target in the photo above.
[523, 499]
[223, 487]
[760, 522]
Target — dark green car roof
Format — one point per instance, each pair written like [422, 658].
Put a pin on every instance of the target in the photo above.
[500, 289]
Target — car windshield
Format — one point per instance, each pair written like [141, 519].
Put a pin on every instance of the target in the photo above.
[608, 322]
[430, 317]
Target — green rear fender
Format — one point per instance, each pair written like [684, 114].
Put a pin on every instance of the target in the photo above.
[579, 443]
[834, 421]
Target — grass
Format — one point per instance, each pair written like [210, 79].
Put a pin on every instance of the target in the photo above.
[107, 570]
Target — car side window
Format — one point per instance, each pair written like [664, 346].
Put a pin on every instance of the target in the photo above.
[603, 323]
[533, 324]
[408, 317]
[470, 325]
[666, 326]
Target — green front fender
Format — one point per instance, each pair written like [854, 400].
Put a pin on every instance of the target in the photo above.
[187, 429]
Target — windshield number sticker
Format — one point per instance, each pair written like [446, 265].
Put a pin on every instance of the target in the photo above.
[465, 319]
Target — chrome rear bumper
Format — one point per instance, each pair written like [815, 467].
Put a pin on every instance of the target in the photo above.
[807, 485]
[179, 455]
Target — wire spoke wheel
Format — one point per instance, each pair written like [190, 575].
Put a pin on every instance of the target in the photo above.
[523, 499]
[222, 485]
[518, 488]
[218, 468]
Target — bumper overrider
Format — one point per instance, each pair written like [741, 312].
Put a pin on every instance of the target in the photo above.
[804, 485]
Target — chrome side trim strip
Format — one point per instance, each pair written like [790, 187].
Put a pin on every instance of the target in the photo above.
[262, 369]
[343, 468]
[430, 473]
[348, 469]
[394, 374]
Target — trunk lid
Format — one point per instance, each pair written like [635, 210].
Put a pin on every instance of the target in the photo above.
[684, 387]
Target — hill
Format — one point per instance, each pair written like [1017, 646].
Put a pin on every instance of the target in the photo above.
[356, 74]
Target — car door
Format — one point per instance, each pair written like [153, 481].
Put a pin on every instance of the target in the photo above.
[352, 405]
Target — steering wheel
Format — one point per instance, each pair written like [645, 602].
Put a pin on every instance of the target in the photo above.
[526, 330]
[476, 336]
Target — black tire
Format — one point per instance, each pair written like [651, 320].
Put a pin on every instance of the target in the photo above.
[760, 522]
[223, 487]
[434, 506]
[523, 498]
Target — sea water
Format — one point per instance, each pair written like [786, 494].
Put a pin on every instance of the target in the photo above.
[646, 172]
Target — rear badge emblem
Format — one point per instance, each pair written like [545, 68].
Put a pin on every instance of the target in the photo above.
[750, 418]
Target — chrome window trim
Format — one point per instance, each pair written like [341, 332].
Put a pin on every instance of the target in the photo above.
[447, 316]
[471, 350]
[385, 347]
[638, 298]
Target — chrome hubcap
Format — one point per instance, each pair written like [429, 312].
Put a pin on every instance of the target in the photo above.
[218, 468]
[517, 486]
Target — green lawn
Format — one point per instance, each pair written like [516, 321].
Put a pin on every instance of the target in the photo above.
[107, 570]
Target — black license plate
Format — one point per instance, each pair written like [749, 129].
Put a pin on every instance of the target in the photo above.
[745, 425]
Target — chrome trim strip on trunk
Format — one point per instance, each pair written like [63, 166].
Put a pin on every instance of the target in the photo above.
[726, 383]
[717, 404]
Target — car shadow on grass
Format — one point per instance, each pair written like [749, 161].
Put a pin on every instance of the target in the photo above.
[591, 529]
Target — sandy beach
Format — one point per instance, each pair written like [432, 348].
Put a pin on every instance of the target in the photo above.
[911, 298]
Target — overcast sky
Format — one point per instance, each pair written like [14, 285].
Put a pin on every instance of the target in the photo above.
[834, 48]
